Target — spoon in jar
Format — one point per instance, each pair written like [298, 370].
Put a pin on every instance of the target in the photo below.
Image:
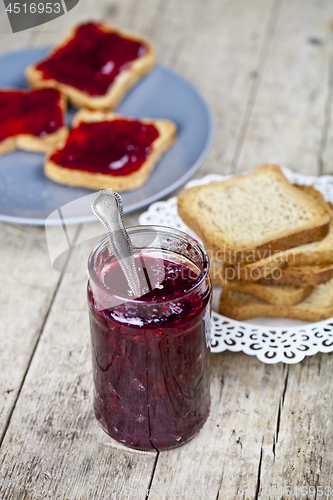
[108, 207]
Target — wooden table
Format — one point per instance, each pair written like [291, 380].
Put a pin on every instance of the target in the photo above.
[266, 70]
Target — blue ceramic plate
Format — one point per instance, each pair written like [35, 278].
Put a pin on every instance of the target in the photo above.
[28, 197]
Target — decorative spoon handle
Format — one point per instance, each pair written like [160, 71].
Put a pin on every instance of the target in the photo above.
[108, 208]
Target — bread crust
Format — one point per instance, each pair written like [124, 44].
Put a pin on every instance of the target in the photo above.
[241, 306]
[215, 243]
[221, 273]
[276, 295]
[122, 83]
[301, 276]
[253, 274]
[290, 276]
[311, 254]
[167, 136]
[29, 142]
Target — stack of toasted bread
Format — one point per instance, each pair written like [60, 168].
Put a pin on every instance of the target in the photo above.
[270, 244]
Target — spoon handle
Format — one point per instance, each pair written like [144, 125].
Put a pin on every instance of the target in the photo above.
[108, 207]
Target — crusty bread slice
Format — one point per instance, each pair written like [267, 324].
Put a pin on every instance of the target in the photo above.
[221, 273]
[74, 177]
[316, 307]
[41, 143]
[311, 254]
[316, 196]
[291, 276]
[277, 295]
[240, 218]
[300, 276]
[121, 84]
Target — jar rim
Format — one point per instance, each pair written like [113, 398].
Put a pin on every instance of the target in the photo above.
[145, 228]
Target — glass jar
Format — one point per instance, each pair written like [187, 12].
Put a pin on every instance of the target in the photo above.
[151, 355]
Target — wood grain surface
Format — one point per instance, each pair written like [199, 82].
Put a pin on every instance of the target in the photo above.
[265, 69]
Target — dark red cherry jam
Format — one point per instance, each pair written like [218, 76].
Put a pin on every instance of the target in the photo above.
[116, 147]
[160, 279]
[35, 112]
[150, 355]
[92, 59]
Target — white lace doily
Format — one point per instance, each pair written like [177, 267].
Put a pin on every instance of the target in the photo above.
[270, 339]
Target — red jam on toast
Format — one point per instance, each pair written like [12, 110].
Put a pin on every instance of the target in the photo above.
[92, 59]
[117, 147]
[37, 112]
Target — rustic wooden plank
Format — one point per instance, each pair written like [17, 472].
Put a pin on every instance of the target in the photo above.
[62, 451]
[327, 139]
[288, 126]
[301, 456]
[28, 280]
[221, 58]
[222, 460]
[28, 284]
[15, 41]
[287, 123]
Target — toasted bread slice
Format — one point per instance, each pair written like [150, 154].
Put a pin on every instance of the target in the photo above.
[73, 172]
[85, 65]
[31, 120]
[290, 276]
[276, 295]
[220, 273]
[317, 306]
[316, 196]
[300, 276]
[311, 254]
[238, 219]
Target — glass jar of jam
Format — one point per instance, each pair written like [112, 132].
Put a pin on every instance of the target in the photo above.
[151, 355]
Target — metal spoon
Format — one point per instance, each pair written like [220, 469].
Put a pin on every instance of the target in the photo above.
[108, 208]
